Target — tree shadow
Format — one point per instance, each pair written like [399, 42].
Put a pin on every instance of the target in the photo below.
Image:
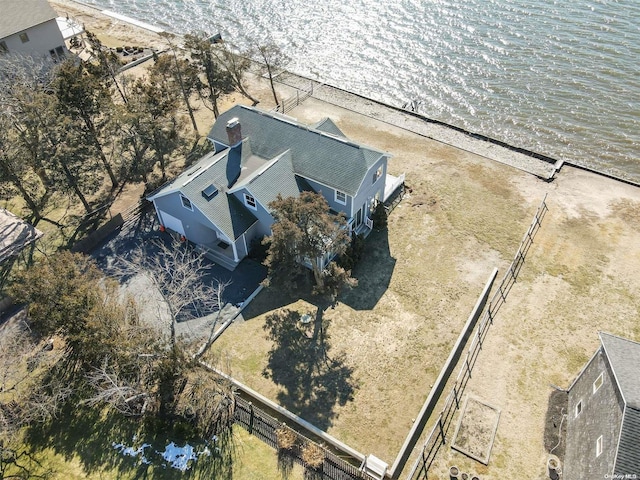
[373, 273]
[91, 435]
[86, 434]
[314, 382]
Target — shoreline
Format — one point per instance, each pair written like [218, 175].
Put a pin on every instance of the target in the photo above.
[557, 164]
[540, 165]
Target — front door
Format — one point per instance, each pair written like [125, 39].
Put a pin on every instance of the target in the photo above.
[359, 217]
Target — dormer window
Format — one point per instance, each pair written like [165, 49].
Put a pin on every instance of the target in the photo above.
[341, 197]
[24, 38]
[186, 203]
[250, 202]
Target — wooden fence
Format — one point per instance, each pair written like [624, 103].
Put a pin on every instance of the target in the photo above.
[438, 434]
[288, 104]
[264, 426]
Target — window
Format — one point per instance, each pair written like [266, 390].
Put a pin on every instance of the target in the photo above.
[578, 408]
[599, 446]
[598, 383]
[250, 201]
[3, 48]
[377, 174]
[24, 37]
[341, 197]
[186, 203]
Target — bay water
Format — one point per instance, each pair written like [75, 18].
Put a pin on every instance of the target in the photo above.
[560, 78]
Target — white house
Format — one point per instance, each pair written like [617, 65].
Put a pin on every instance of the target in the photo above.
[29, 27]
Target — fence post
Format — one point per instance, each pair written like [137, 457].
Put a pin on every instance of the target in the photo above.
[455, 395]
[444, 440]
[251, 416]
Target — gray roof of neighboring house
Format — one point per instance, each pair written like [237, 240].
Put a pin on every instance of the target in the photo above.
[628, 457]
[225, 211]
[19, 15]
[15, 234]
[624, 359]
[317, 155]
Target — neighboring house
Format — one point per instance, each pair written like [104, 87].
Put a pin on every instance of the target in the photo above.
[603, 421]
[221, 203]
[29, 27]
[15, 234]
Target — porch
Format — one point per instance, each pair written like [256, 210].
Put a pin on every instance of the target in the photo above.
[364, 228]
[391, 185]
[220, 253]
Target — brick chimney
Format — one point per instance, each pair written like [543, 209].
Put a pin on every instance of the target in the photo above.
[234, 132]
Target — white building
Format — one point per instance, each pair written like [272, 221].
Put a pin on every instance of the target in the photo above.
[29, 27]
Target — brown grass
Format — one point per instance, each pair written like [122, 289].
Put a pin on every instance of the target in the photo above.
[286, 438]
[313, 455]
[420, 280]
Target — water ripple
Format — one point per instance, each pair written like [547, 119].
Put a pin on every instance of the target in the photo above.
[560, 78]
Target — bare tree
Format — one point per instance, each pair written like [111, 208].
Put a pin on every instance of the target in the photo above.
[130, 395]
[237, 65]
[183, 72]
[274, 61]
[177, 274]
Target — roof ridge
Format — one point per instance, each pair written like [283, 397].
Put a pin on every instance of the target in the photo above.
[600, 333]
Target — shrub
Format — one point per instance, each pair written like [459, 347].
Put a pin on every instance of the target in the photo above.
[286, 438]
[379, 216]
[353, 254]
[313, 455]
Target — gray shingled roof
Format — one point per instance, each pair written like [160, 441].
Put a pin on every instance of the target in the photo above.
[19, 15]
[15, 234]
[327, 125]
[316, 155]
[225, 211]
[276, 178]
[628, 457]
[624, 359]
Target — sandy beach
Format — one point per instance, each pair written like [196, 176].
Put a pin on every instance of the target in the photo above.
[580, 276]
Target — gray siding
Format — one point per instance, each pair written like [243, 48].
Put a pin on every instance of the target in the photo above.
[265, 220]
[254, 233]
[330, 196]
[601, 415]
[368, 189]
[42, 38]
[196, 226]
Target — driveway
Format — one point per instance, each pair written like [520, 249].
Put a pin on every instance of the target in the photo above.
[143, 230]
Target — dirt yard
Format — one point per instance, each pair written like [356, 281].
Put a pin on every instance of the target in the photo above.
[465, 215]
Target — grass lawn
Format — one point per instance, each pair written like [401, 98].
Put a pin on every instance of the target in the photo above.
[79, 445]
